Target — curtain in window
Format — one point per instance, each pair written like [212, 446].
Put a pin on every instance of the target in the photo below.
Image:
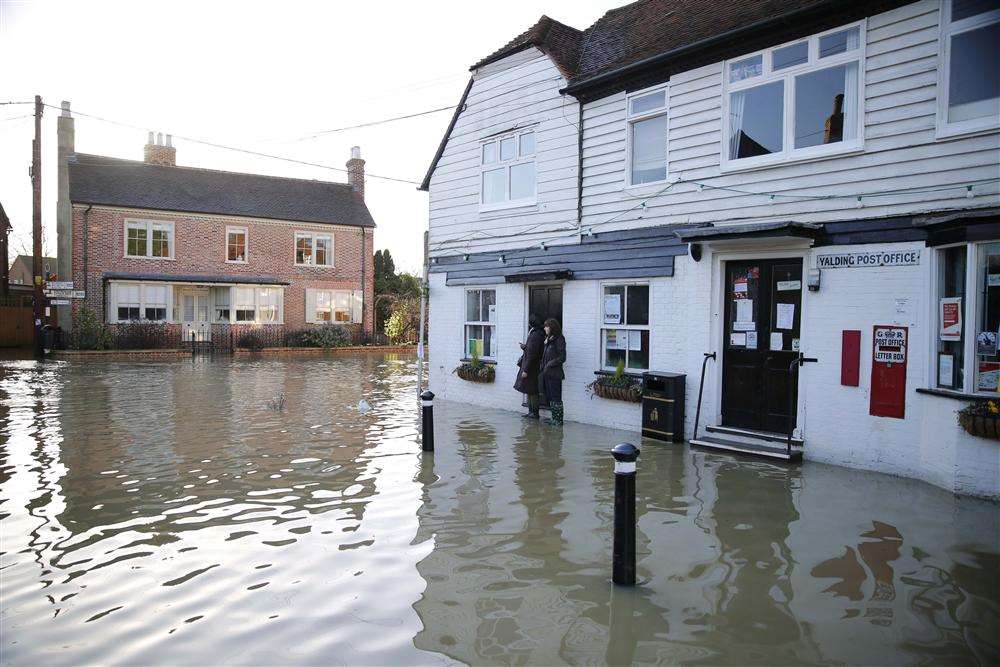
[737, 105]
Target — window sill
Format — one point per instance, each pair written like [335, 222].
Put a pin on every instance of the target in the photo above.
[523, 203]
[651, 186]
[738, 166]
[632, 373]
[488, 362]
[944, 132]
[237, 261]
[313, 266]
[159, 259]
[957, 395]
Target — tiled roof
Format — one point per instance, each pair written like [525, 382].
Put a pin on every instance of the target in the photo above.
[95, 179]
[557, 40]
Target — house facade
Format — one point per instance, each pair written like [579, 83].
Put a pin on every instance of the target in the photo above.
[206, 252]
[691, 185]
[21, 269]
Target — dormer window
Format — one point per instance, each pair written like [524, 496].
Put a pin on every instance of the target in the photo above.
[795, 101]
[508, 170]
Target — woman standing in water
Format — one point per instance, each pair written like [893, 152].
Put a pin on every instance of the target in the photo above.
[553, 358]
[527, 376]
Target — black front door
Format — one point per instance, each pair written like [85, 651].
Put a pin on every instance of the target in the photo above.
[545, 301]
[762, 318]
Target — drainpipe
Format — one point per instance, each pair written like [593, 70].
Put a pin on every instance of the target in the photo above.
[86, 255]
[364, 261]
[579, 174]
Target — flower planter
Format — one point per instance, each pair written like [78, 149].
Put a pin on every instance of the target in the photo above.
[483, 375]
[630, 394]
[982, 426]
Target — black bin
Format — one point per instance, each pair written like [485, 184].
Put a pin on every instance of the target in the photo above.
[663, 406]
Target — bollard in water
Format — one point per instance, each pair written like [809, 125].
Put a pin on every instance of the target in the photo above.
[427, 408]
[623, 549]
[192, 344]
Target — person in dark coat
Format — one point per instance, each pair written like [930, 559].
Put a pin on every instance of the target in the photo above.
[553, 358]
[531, 359]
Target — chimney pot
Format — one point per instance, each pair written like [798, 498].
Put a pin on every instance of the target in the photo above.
[169, 140]
[149, 141]
[160, 152]
[356, 172]
[355, 152]
[159, 138]
[65, 109]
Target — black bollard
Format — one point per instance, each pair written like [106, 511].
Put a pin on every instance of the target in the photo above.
[427, 407]
[192, 344]
[623, 549]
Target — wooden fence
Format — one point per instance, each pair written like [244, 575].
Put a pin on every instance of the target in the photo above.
[16, 323]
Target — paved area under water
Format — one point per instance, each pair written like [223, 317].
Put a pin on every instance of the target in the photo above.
[178, 513]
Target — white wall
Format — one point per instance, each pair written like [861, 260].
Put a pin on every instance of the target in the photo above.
[900, 149]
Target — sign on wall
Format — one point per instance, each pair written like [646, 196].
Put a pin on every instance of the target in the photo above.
[888, 393]
[950, 318]
[855, 260]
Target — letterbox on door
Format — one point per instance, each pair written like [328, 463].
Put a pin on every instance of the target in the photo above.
[888, 390]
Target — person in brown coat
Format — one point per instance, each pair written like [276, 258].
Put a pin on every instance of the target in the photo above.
[527, 375]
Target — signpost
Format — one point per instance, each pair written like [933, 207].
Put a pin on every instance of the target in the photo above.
[66, 293]
[59, 284]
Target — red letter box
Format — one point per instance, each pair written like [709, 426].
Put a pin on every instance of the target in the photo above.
[888, 391]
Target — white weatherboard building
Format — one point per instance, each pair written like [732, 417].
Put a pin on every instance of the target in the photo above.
[774, 184]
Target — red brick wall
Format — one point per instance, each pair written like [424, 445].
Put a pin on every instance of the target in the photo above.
[200, 248]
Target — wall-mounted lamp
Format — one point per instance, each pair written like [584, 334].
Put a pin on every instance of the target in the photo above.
[813, 279]
[695, 250]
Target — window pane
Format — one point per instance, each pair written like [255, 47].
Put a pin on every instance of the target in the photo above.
[236, 246]
[826, 105]
[489, 299]
[474, 340]
[137, 241]
[615, 346]
[638, 349]
[614, 304]
[303, 250]
[648, 102]
[988, 317]
[527, 144]
[489, 153]
[638, 305]
[487, 342]
[756, 120]
[790, 56]
[323, 255]
[839, 42]
[161, 242]
[156, 314]
[522, 181]
[963, 9]
[507, 149]
[494, 186]
[951, 283]
[649, 150]
[744, 69]
[472, 309]
[974, 74]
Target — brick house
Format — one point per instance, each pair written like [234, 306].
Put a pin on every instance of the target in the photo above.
[207, 251]
[21, 270]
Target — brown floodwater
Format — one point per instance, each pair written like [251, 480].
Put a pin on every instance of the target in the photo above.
[181, 513]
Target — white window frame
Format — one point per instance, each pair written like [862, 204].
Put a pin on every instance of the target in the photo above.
[234, 303]
[602, 326]
[312, 305]
[231, 229]
[313, 236]
[631, 119]
[112, 314]
[506, 165]
[466, 323]
[948, 30]
[148, 225]
[789, 154]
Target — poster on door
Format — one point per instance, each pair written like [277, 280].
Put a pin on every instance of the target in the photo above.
[950, 317]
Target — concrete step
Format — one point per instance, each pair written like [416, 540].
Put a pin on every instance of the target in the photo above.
[751, 435]
[753, 449]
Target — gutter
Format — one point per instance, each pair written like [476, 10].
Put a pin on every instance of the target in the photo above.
[823, 8]
[86, 251]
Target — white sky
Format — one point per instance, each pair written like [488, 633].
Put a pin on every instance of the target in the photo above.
[254, 75]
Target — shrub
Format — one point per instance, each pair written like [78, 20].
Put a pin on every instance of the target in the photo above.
[404, 322]
[252, 340]
[89, 333]
[142, 336]
[325, 335]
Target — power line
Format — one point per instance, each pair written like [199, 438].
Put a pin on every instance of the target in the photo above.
[6, 103]
[235, 149]
[374, 122]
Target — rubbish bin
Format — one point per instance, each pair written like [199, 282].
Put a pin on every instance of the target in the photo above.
[663, 406]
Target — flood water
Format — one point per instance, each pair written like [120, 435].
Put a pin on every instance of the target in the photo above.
[178, 513]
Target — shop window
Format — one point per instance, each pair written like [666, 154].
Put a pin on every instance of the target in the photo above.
[625, 332]
[951, 297]
[480, 323]
[987, 368]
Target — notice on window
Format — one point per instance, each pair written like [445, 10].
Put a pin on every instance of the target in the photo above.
[740, 286]
[993, 280]
[777, 341]
[986, 343]
[946, 370]
[617, 339]
[989, 373]
[738, 339]
[744, 311]
[950, 318]
[751, 340]
[492, 313]
[786, 316]
[612, 308]
[789, 285]
[475, 347]
[635, 341]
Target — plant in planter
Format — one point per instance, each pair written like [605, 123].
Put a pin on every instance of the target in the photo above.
[475, 370]
[617, 387]
[981, 418]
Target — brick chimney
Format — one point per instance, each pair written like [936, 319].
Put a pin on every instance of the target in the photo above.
[356, 172]
[160, 153]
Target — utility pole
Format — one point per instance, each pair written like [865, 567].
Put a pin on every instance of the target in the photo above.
[36, 225]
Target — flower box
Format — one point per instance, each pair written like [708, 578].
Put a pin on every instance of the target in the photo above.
[481, 373]
[981, 419]
[603, 387]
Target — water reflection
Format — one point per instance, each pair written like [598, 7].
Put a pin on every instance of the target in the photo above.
[171, 513]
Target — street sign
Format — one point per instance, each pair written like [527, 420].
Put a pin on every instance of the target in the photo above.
[66, 293]
[60, 284]
[59, 302]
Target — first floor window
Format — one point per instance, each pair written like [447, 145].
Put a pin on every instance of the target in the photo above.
[220, 299]
[268, 304]
[647, 126]
[246, 305]
[480, 323]
[149, 238]
[132, 302]
[970, 41]
[313, 249]
[335, 306]
[155, 302]
[236, 244]
[128, 301]
[625, 329]
[508, 169]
